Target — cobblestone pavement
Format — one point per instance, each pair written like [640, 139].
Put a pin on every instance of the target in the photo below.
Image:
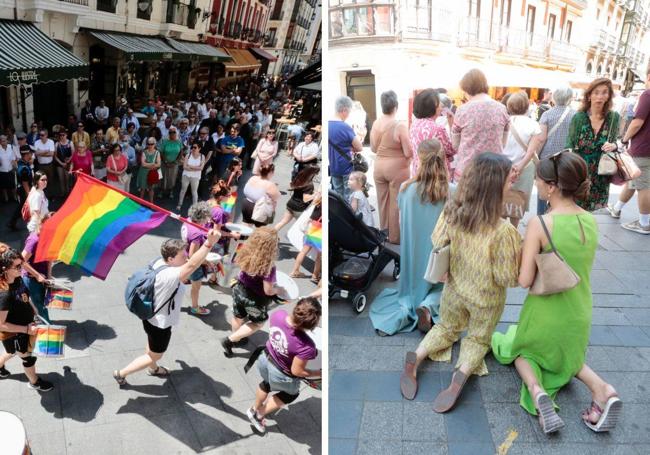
[367, 414]
[200, 408]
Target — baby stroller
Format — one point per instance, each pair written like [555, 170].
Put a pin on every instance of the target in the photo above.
[357, 254]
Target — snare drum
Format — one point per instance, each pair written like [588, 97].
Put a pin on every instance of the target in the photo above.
[13, 440]
[244, 230]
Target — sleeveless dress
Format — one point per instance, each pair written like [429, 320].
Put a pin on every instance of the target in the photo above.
[143, 171]
[393, 310]
[553, 330]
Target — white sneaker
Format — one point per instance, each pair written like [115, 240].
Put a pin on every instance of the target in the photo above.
[614, 213]
[635, 226]
[259, 424]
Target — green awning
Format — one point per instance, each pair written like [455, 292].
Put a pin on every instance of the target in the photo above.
[29, 56]
[199, 51]
[137, 47]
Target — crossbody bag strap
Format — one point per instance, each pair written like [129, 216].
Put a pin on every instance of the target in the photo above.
[548, 235]
[515, 134]
[339, 151]
[559, 122]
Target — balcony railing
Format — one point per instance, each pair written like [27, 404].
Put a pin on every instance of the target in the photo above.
[365, 19]
[106, 5]
[181, 14]
[76, 2]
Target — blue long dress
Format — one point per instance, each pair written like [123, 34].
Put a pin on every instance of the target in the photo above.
[393, 310]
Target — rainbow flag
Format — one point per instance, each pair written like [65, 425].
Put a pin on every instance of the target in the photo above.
[314, 235]
[229, 203]
[49, 340]
[58, 298]
[94, 225]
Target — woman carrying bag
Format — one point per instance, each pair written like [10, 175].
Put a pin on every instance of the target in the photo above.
[548, 345]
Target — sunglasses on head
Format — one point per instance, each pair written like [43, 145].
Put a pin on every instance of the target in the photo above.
[554, 158]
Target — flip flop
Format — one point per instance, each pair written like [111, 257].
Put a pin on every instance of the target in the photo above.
[608, 417]
[448, 397]
[159, 372]
[408, 384]
[424, 319]
[548, 418]
[299, 275]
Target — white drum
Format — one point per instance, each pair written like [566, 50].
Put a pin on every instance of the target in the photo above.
[13, 440]
[288, 284]
[213, 258]
[244, 230]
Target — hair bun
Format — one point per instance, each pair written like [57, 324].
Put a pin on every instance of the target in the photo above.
[583, 189]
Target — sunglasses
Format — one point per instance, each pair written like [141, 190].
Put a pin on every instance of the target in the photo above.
[151, 143]
[44, 179]
[42, 135]
[553, 158]
[80, 126]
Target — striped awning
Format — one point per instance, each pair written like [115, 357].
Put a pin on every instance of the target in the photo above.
[29, 56]
[258, 51]
[199, 51]
[242, 60]
[138, 47]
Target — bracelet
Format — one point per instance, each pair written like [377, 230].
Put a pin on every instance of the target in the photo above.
[207, 245]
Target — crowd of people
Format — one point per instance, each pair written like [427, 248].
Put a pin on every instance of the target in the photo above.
[212, 141]
[449, 182]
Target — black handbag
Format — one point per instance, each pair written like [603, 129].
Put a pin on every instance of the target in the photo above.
[358, 162]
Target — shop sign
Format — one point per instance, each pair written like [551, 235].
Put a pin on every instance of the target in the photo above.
[23, 77]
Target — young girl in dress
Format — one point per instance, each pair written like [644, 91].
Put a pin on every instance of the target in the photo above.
[358, 184]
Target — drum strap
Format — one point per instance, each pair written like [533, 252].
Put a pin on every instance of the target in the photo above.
[256, 354]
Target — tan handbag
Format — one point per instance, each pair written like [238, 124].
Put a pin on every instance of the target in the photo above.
[438, 264]
[554, 275]
[607, 165]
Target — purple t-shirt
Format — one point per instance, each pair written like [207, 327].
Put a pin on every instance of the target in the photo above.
[256, 283]
[220, 216]
[195, 235]
[286, 342]
[30, 247]
[641, 141]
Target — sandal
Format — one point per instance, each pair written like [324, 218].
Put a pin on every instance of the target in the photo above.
[200, 311]
[607, 417]
[121, 381]
[298, 275]
[159, 372]
[424, 319]
[315, 279]
[408, 383]
[548, 418]
[447, 398]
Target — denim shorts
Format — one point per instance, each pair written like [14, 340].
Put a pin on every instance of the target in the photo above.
[279, 381]
[198, 274]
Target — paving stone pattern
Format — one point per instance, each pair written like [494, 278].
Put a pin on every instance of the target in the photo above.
[200, 408]
[368, 415]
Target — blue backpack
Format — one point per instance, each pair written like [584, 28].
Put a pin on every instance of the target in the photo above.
[139, 294]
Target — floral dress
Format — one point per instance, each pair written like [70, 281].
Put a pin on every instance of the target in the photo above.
[423, 129]
[587, 143]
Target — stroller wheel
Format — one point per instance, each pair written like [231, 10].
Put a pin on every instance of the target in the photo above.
[396, 271]
[359, 302]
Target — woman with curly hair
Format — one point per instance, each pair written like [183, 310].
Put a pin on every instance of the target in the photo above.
[484, 256]
[17, 319]
[593, 131]
[255, 286]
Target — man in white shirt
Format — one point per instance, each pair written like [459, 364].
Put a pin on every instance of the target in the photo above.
[44, 150]
[101, 115]
[168, 290]
[130, 118]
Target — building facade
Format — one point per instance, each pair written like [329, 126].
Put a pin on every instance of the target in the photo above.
[519, 44]
[288, 28]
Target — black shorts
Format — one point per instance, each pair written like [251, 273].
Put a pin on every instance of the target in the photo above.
[247, 213]
[158, 338]
[248, 305]
[19, 343]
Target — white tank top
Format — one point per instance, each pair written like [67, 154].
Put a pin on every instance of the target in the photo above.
[193, 162]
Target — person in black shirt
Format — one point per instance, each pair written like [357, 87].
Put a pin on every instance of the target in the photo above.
[246, 133]
[17, 318]
[211, 122]
[25, 177]
[207, 150]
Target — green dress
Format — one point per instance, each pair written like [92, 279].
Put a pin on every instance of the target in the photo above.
[553, 330]
[143, 171]
[587, 143]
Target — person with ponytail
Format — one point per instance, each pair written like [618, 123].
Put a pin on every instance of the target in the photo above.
[548, 345]
[484, 256]
[302, 188]
[421, 199]
[358, 184]
[17, 319]
[220, 192]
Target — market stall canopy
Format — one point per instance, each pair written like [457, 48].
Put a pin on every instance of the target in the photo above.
[309, 78]
[138, 47]
[29, 56]
[242, 60]
[261, 53]
[199, 51]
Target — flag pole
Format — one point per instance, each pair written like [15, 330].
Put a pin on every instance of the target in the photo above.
[141, 201]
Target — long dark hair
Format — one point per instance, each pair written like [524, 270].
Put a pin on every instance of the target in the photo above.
[586, 101]
[304, 177]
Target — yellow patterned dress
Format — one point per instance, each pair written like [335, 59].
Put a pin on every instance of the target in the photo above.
[482, 265]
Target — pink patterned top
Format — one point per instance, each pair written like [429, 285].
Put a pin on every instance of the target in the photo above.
[480, 125]
[426, 128]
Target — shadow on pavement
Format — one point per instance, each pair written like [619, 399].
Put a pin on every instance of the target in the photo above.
[78, 401]
[217, 317]
[297, 424]
[91, 329]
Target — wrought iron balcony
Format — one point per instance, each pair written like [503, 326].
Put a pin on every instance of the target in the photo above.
[181, 14]
[76, 2]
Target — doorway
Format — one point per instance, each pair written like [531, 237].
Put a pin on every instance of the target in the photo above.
[50, 103]
[360, 86]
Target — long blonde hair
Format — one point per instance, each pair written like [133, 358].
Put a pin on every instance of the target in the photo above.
[257, 256]
[477, 204]
[432, 178]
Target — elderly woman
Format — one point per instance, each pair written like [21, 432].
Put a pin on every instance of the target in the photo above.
[389, 139]
[521, 145]
[480, 125]
[342, 145]
[593, 131]
[426, 110]
[554, 125]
